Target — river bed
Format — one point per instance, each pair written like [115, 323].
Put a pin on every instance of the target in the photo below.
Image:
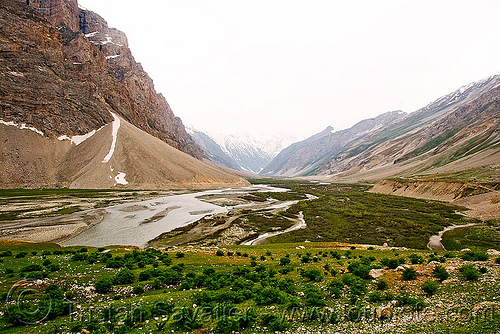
[136, 223]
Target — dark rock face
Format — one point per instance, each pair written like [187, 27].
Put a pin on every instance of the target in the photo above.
[149, 110]
[58, 12]
[59, 80]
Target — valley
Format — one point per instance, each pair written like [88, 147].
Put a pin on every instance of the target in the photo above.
[270, 211]
[117, 218]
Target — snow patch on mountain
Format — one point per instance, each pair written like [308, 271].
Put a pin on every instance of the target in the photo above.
[22, 126]
[116, 127]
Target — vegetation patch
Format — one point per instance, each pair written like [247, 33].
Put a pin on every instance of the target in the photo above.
[479, 238]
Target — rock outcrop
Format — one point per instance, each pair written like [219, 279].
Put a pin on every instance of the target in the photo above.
[58, 12]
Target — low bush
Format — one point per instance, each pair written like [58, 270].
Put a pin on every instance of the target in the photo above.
[274, 323]
[430, 287]
[103, 285]
[314, 296]
[440, 273]
[124, 276]
[473, 256]
[469, 272]
[312, 275]
[409, 273]
[381, 284]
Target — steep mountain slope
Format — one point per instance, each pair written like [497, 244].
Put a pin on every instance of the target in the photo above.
[305, 157]
[59, 80]
[59, 87]
[117, 155]
[242, 151]
[212, 150]
[456, 132]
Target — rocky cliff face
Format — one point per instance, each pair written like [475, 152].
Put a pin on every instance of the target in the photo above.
[149, 110]
[65, 78]
[78, 111]
[58, 12]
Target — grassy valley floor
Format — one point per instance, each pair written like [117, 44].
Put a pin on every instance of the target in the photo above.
[360, 265]
[293, 288]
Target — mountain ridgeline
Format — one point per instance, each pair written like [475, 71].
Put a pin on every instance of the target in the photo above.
[242, 152]
[457, 132]
[77, 110]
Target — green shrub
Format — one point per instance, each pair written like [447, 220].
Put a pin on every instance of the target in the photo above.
[179, 255]
[124, 276]
[270, 295]
[314, 296]
[170, 276]
[375, 296]
[138, 290]
[185, 319]
[417, 303]
[287, 285]
[79, 257]
[312, 275]
[54, 292]
[390, 263]
[226, 325]
[219, 253]
[430, 287]
[381, 284]
[162, 308]
[336, 287]
[6, 253]
[103, 285]
[416, 259]
[274, 323]
[409, 273]
[285, 270]
[285, 261]
[21, 255]
[356, 284]
[31, 267]
[473, 256]
[115, 262]
[469, 272]
[359, 269]
[440, 273]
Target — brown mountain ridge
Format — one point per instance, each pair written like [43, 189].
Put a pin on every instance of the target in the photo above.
[61, 83]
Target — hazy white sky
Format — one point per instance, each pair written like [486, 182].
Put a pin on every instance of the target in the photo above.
[231, 65]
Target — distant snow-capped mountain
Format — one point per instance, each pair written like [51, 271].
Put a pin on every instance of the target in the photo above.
[242, 151]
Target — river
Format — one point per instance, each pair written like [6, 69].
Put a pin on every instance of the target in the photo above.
[136, 223]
